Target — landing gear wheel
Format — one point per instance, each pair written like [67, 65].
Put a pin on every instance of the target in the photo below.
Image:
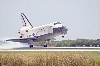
[62, 36]
[31, 46]
[45, 45]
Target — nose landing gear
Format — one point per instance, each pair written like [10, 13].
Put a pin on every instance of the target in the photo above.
[62, 36]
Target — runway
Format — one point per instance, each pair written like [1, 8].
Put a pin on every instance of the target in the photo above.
[53, 49]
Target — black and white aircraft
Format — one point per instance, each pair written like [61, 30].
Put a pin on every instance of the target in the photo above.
[30, 34]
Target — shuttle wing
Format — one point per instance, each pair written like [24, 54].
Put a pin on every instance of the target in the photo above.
[23, 40]
[25, 21]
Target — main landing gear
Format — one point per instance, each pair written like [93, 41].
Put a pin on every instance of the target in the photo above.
[30, 43]
[46, 43]
[31, 46]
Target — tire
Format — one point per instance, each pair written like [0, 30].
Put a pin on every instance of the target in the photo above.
[62, 36]
[31, 46]
[45, 45]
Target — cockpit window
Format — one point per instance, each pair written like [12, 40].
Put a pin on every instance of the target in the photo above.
[57, 23]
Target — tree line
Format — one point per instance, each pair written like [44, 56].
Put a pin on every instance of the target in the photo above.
[74, 43]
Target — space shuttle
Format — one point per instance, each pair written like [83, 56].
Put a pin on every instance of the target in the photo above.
[46, 33]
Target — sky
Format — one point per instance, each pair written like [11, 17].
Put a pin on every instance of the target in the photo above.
[81, 17]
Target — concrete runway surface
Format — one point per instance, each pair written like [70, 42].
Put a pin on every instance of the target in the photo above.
[53, 49]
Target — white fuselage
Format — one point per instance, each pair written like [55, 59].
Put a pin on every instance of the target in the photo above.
[43, 32]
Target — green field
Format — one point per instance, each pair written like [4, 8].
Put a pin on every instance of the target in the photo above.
[54, 58]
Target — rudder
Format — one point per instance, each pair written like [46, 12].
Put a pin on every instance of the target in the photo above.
[25, 21]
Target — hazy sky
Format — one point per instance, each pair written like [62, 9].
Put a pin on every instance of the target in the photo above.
[82, 17]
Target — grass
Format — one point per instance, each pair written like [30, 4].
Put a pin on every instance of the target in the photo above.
[65, 58]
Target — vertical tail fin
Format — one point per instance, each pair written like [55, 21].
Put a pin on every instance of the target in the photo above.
[25, 21]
